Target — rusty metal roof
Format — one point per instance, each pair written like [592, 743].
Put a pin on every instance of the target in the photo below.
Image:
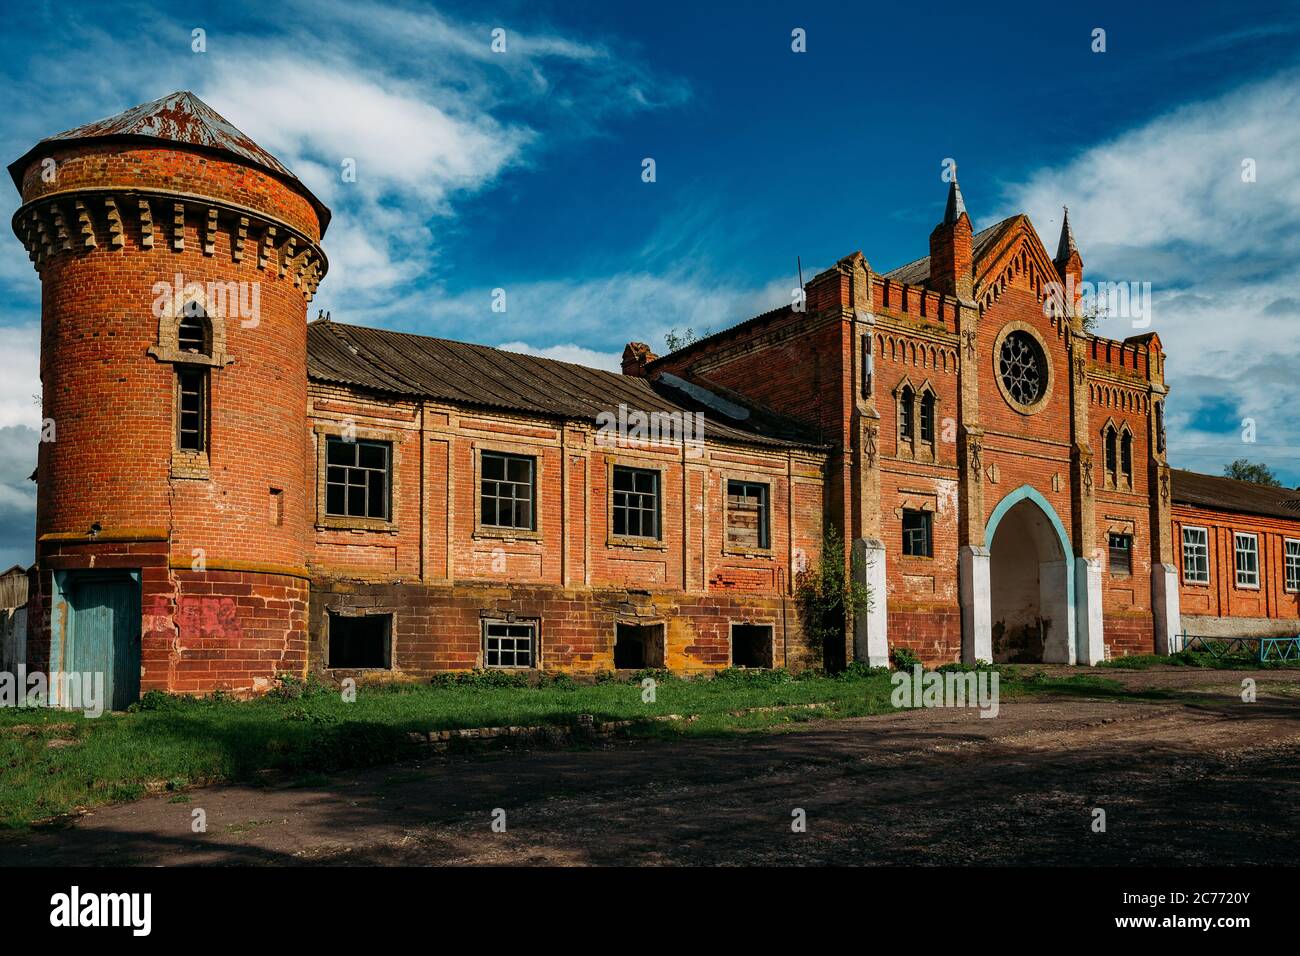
[398, 363]
[179, 117]
[1230, 494]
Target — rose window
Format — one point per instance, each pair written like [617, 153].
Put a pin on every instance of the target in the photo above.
[1023, 367]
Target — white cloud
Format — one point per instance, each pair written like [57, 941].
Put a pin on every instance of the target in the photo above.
[576, 354]
[1165, 203]
[20, 350]
[604, 312]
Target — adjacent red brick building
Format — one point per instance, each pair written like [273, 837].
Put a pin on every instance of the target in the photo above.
[228, 492]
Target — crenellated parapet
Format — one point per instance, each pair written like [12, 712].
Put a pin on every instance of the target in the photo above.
[158, 222]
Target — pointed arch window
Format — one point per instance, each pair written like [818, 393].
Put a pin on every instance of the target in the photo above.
[927, 416]
[906, 420]
[1112, 454]
[1126, 456]
[194, 335]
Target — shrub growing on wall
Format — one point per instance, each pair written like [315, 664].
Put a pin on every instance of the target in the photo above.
[829, 596]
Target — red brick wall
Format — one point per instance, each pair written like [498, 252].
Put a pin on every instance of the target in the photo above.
[439, 628]
[173, 169]
[241, 618]
[200, 632]
[1222, 596]
[437, 569]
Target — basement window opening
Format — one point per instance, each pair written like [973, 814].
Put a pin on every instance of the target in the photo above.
[510, 644]
[751, 645]
[361, 642]
[638, 645]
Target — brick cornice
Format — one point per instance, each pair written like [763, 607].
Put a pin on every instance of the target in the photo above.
[82, 218]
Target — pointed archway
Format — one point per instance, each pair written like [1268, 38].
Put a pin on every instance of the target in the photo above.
[1031, 581]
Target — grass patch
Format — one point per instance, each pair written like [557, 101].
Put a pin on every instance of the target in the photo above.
[1228, 662]
[309, 732]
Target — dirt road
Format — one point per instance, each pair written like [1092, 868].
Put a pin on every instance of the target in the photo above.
[1206, 779]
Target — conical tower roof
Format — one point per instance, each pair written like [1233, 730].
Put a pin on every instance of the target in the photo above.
[179, 117]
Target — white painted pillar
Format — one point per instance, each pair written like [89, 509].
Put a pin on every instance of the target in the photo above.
[976, 604]
[1054, 606]
[1164, 607]
[871, 629]
[1087, 609]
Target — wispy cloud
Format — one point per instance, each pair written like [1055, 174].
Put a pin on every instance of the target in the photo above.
[421, 104]
[1166, 203]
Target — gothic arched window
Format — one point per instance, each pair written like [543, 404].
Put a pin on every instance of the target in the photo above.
[1111, 454]
[1126, 456]
[906, 426]
[194, 335]
[927, 416]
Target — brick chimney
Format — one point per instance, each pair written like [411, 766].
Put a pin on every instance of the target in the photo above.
[636, 357]
[951, 257]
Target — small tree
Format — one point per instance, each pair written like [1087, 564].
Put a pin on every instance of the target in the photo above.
[830, 597]
[1092, 313]
[674, 341]
[1245, 470]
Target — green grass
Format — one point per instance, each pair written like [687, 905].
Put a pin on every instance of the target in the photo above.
[170, 743]
[1233, 662]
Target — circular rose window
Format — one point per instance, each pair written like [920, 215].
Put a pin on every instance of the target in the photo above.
[1023, 367]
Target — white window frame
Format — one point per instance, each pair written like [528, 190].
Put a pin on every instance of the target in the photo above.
[1204, 545]
[1252, 580]
[1291, 564]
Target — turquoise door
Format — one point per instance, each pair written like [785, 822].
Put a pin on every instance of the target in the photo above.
[105, 635]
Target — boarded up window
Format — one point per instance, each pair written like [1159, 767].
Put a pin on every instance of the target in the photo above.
[747, 515]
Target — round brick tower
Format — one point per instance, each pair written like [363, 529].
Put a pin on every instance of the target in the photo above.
[177, 259]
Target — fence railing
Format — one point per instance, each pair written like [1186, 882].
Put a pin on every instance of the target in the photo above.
[1262, 648]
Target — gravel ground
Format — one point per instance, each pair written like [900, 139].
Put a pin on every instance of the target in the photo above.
[1202, 779]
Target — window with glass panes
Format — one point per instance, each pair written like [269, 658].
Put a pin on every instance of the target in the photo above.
[1247, 552]
[916, 533]
[1196, 556]
[1292, 558]
[507, 491]
[636, 502]
[510, 643]
[1121, 553]
[927, 416]
[358, 476]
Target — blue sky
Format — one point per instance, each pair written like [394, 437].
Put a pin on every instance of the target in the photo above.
[522, 170]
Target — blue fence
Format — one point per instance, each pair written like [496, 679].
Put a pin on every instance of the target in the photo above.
[1262, 648]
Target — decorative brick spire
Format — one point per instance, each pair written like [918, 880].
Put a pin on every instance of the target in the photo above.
[951, 248]
[1066, 245]
[1068, 261]
[956, 204]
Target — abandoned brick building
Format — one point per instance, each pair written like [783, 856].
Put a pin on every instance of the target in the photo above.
[231, 492]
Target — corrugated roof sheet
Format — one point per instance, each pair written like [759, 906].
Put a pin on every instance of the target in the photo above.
[179, 117]
[918, 272]
[1230, 494]
[400, 363]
